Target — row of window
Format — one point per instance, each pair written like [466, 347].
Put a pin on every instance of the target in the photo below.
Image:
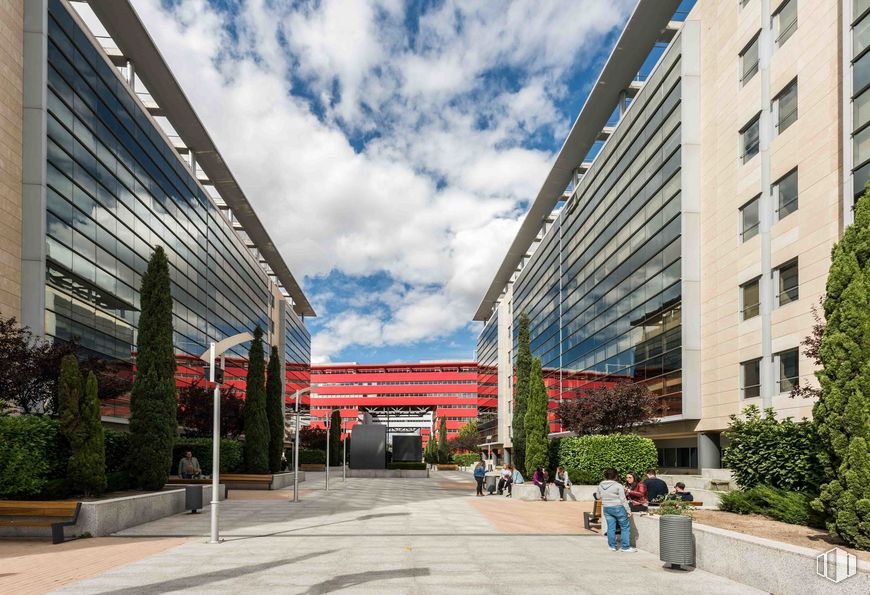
[785, 202]
[784, 109]
[786, 282]
[785, 362]
[783, 23]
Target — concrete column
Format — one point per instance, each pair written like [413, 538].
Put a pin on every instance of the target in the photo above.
[505, 366]
[34, 165]
[709, 451]
[765, 208]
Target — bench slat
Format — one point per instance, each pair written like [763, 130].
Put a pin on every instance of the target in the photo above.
[44, 505]
[26, 523]
[245, 477]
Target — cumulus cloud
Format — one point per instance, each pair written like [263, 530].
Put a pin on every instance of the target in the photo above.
[373, 141]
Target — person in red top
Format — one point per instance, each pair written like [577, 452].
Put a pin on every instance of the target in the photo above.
[635, 491]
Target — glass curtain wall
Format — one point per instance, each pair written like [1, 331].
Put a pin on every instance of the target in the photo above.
[297, 354]
[860, 94]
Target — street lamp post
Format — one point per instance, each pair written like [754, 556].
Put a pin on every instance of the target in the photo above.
[214, 350]
[327, 423]
[299, 393]
[344, 460]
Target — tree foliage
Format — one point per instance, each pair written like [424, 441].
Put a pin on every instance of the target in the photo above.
[521, 393]
[536, 423]
[812, 345]
[778, 453]
[153, 423]
[275, 410]
[842, 412]
[256, 420]
[467, 440]
[586, 457]
[443, 448]
[618, 408]
[335, 438]
[312, 438]
[196, 410]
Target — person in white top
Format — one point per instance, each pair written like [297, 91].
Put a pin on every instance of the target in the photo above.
[505, 479]
[562, 481]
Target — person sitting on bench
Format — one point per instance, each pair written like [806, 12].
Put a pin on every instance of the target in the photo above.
[680, 492]
[504, 482]
[188, 467]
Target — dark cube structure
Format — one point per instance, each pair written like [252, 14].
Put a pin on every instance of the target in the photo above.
[407, 449]
[368, 446]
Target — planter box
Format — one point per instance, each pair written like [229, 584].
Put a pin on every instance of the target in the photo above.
[105, 517]
[772, 566]
[282, 480]
[389, 473]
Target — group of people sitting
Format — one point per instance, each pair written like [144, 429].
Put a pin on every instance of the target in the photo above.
[649, 492]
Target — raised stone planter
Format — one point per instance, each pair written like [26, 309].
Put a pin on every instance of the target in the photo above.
[389, 473]
[105, 517]
[282, 480]
[530, 492]
[771, 566]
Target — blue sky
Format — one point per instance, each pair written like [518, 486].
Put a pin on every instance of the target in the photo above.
[391, 148]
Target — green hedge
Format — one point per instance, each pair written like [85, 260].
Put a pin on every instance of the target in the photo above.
[310, 456]
[118, 449]
[231, 454]
[586, 457]
[783, 505]
[406, 465]
[33, 458]
[467, 459]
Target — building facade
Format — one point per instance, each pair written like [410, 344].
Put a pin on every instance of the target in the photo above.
[118, 163]
[407, 398]
[708, 175]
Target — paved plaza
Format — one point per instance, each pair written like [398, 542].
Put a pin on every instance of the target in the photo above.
[390, 536]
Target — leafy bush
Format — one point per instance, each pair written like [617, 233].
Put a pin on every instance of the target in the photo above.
[585, 458]
[118, 481]
[32, 455]
[766, 451]
[782, 505]
[118, 449]
[406, 465]
[310, 456]
[466, 459]
[231, 454]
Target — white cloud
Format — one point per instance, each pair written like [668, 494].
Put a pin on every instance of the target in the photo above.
[432, 198]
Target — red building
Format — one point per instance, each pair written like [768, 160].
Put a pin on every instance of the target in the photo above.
[407, 398]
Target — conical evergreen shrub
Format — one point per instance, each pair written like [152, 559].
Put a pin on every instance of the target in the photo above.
[521, 394]
[87, 463]
[443, 448]
[153, 405]
[536, 424]
[256, 418]
[842, 413]
[274, 410]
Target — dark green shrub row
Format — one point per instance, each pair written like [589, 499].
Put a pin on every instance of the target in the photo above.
[118, 449]
[33, 458]
[586, 457]
[789, 507]
[232, 459]
[406, 465]
[310, 456]
[466, 459]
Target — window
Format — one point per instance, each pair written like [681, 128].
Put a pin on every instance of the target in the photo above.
[749, 140]
[860, 36]
[785, 107]
[749, 299]
[787, 283]
[749, 220]
[788, 369]
[785, 193]
[750, 378]
[743, 3]
[749, 61]
[785, 21]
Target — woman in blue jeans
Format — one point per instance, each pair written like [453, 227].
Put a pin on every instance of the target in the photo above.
[614, 507]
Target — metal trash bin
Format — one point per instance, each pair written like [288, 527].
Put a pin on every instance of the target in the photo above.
[193, 498]
[491, 481]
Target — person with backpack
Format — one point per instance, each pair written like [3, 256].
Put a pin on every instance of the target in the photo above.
[479, 475]
[615, 509]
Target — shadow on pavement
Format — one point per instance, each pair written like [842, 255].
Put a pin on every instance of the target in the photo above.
[350, 580]
[198, 580]
[365, 517]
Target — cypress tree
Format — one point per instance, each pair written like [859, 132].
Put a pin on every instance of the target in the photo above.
[335, 438]
[256, 420]
[842, 413]
[153, 406]
[443, 449]
[274, 410]
[536, 424]
[521, 393]
[69, 393]
[87, 462]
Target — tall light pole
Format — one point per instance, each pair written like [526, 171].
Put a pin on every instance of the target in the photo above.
[326, 422]
[344, 458]
[299, 393]
[214, 350]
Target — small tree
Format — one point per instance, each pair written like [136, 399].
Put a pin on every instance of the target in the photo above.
[430, 453]
[335, 438]
[196, 410]
[256, 420]
[521, 393]
[536, 423]
[841, 413]
[467, 439]
[89, 459]
[609, 410]
[274, 410]
[312, 438]
[153, 424]
[812, 345]
[443, 449]
[69, 390]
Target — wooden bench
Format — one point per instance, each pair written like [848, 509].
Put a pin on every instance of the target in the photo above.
[593, 519]
[204, 482]
[312, 466]
[247, 479]
[56, 515]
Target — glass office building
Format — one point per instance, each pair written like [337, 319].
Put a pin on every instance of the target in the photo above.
[116, 187]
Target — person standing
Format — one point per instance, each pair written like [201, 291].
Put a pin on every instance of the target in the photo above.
[615, 508]
[562, 482]
[479, 475]
[656, 489]
[540, 479]
[635, 491]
